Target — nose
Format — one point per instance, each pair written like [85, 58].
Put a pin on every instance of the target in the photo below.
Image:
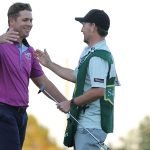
[29, 23]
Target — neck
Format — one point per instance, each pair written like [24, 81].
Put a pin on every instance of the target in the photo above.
[95, 40]
[19, 40]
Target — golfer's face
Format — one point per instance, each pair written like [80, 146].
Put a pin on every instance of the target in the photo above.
[23, 23]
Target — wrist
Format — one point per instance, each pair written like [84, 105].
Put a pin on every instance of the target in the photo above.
[72, 102]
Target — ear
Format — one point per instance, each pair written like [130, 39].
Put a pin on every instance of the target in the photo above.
[11, 21]
[93, 27]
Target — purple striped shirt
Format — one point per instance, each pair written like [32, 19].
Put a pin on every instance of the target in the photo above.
[15, 71]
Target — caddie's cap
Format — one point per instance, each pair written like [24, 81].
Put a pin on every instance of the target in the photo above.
[99, 17]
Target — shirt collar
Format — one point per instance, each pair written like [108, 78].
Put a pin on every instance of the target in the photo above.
[99, 45]
[24, 42]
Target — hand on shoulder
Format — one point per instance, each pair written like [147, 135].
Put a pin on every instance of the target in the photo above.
[9, 37]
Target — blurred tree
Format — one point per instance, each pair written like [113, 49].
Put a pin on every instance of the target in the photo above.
[137, 139]
[37, 137]
[144, 134]
[131, 141]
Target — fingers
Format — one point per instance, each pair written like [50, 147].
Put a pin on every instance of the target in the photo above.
[10, 36]
[45, 51]
[39, 53]
[11, 30]
[61, 108]
[64, 107]
[8, 41]
[42, 55]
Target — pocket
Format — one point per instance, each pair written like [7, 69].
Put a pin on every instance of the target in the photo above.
[82, 131]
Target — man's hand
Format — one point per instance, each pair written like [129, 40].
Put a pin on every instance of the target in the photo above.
[64, 106]
[43, 57]
[9, 37]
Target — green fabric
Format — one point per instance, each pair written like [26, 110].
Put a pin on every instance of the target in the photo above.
[106, 105]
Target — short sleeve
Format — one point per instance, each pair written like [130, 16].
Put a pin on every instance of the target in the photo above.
[36, 69]
[98, 70]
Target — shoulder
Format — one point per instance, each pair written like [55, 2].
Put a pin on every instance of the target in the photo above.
[104, 54]
[3, 45]
[6, 47]
[31, 50]
[98, 60]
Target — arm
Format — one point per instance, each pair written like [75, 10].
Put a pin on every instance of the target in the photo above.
[97, 70]
[88, 97]
[9, 37]
[49, 87]
[65, 73]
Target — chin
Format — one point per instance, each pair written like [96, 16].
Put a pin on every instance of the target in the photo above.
[86, 41]
[25, 36]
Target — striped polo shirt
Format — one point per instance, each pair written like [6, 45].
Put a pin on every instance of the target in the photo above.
[17, 65]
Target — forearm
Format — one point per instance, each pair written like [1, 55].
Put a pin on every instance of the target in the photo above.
[54, 92]
[89, 96]
[50, 88]
[65, 73]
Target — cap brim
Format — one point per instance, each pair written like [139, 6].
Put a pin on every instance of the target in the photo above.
[79, 19]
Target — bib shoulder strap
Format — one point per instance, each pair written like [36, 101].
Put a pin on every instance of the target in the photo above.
[106, 55]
